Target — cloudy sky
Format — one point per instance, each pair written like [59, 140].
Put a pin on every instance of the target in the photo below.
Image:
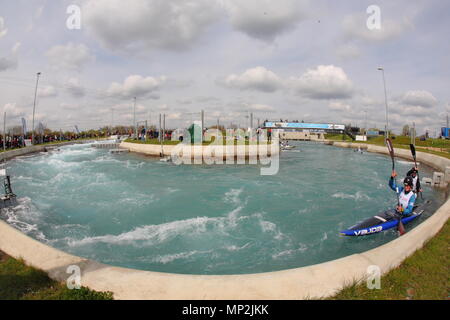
[293, 59]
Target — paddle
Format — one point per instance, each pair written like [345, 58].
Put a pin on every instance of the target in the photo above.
[400, 227]
[413, 152]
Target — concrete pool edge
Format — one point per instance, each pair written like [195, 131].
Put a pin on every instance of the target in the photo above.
[7, 155]
[429, 159]
[314, 281]
[198, 151]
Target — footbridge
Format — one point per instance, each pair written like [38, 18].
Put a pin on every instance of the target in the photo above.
[306, 131]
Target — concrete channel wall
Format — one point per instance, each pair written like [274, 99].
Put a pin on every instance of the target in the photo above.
[429, 159]
[198, 151]
[33, 149]
[316, 281]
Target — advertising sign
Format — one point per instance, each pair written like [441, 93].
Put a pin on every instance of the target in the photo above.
[298, 125]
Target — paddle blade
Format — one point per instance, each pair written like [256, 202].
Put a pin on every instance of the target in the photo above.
[401, 227]
[391, 151]
[413, 150]
[390, 147]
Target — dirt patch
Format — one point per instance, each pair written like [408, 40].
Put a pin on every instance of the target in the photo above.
[3, 256]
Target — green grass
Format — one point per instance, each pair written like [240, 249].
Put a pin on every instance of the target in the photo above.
[337, 137]
[21, 282]
[402, 142]
[423, 276]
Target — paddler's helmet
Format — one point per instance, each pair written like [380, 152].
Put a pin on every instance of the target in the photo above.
[413, 170]
[408, 181]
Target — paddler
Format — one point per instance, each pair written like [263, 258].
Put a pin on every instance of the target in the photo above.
[416, 183]
[406, 197]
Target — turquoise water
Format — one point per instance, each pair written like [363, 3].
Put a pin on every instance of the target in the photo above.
[134, 211]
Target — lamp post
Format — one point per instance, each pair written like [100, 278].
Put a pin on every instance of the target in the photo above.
[134, 119]
[4, 132]
[386, 102]
[112, 121]
[34, 106]
[365, 123]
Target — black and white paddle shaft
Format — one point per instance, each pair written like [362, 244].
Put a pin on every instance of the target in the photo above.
[400, 227]
[413, 152]
[391, 152]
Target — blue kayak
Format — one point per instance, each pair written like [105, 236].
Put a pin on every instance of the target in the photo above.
[383, 221]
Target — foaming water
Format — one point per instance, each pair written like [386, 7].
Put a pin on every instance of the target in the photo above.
[134, 211]
[357, 196]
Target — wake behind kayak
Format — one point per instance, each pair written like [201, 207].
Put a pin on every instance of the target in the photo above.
[383, 221]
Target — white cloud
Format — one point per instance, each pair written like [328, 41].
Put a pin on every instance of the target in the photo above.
[148, 25]
[3, 30]
[420, 120]
[348, 51]
[412, 111]
[265, 19]
[259, 79]
[407, 108]
[174, 116]
[70, 107]
[419, 98]
[13, 111]
[370, 102]
[260, 107]
[162, 107]
[11, 61]
[355, 27]
[413, 105]
[418, 106]
[47, 91]
[136, 86]
[74, 88]
[203, 99]
[70, 56]
[323, 82]
[339, 106]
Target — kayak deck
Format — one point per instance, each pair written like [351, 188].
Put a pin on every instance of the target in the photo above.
[383, 221]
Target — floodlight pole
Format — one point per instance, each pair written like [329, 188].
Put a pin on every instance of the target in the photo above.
[112, 121]
[34, 106]
[164, 127]
[386, 102]
[160, 133]
[134, 119]
[365, 123]
[4, 132]
[203, 124]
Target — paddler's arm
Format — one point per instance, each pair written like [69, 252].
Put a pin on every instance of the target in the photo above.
[392, 183]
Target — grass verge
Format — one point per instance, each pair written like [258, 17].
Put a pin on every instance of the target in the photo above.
[422, 276]
[402, 142]
[21, 282]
